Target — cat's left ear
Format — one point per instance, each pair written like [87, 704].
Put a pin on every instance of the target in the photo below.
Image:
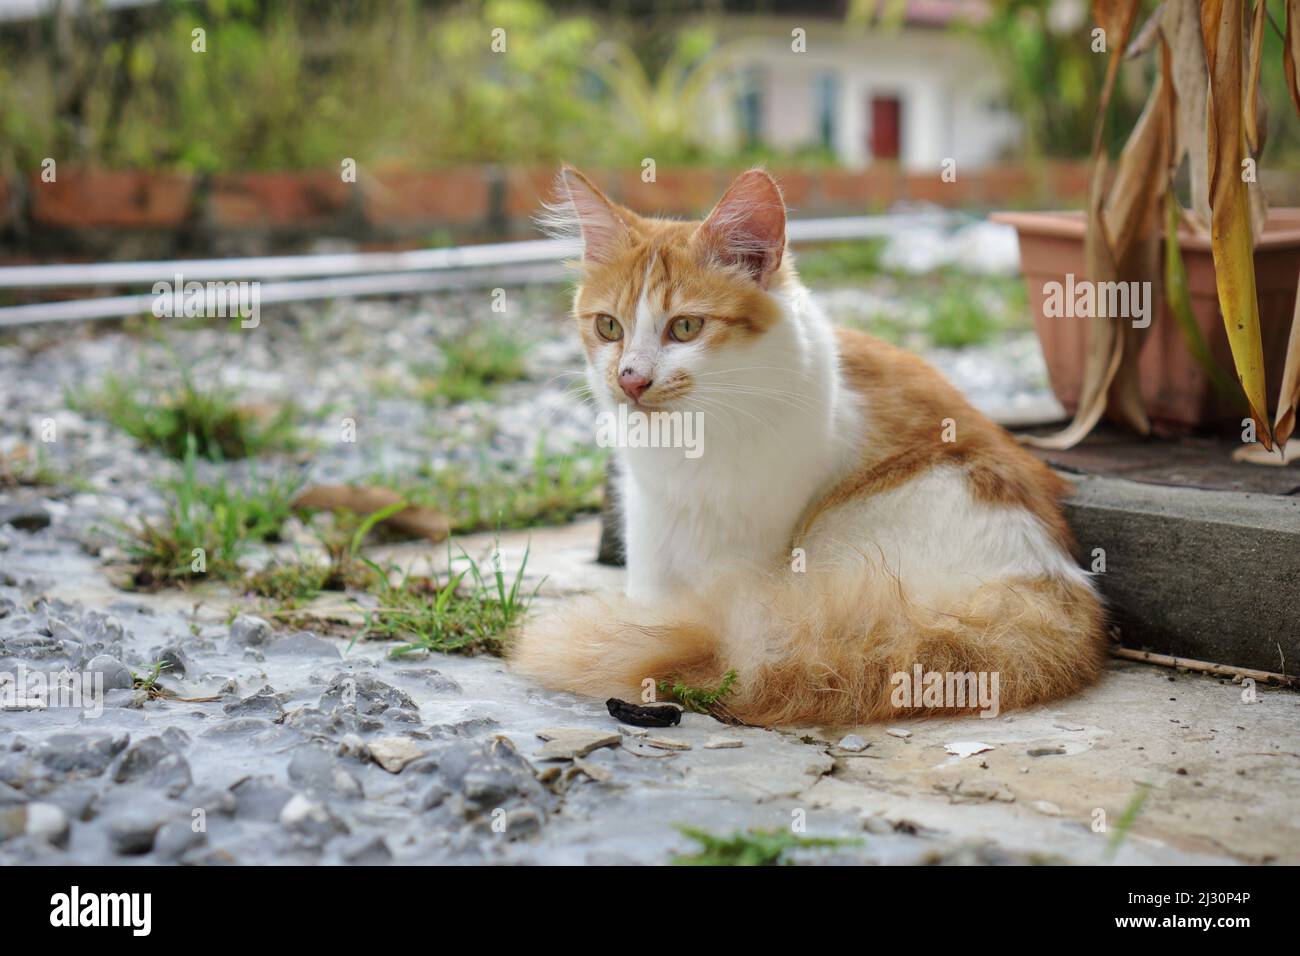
[747, 226]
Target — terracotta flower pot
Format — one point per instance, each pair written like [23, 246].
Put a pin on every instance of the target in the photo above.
[1178, 394]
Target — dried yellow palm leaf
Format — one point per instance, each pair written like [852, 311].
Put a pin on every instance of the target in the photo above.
[1178, 298]
[1289, 398]
[1252, 77]
[1231, 234]
[1291, 50]
[1255, 120]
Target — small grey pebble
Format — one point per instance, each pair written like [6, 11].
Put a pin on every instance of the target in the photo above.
[250, 631]
[176, 660]
[117, 676]
[132, 837]
[176, 838]
[367, 851]
[1046, 751]
[25, 516]
[876, 824]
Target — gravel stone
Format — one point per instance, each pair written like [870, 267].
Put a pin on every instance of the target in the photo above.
[133, 836]
[249, 631]
[368, 695]
[116, 674]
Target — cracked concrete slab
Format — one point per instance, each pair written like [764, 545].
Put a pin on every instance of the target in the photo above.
[1223, 775]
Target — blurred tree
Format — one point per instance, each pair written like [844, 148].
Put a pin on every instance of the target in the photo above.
[1053, 78]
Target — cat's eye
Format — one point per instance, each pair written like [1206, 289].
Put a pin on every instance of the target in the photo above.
[685, 327]
[608, 328]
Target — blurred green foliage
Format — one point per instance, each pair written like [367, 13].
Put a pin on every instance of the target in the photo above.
[1054, 79]
[303, 84]
[297, 84]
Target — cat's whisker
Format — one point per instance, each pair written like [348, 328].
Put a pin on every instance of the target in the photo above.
[760, 368]
[559, 375]
[745, 384]
[722, 415]
[733, 409]
[810, 401]
[793, 400]
[729, 427]
[746, 412]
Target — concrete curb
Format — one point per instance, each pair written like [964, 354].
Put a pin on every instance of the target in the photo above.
[1211, 575]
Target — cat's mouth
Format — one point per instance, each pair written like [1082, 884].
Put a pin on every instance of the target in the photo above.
[660, 396]
[646, 403]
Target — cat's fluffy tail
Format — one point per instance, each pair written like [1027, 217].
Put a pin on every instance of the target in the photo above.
[822, 648]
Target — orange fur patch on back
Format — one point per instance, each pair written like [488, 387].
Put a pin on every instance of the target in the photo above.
[909, 406]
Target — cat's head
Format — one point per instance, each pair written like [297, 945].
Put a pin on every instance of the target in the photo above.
[668, 309]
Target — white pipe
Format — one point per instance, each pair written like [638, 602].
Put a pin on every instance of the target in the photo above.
[284, 267]
[418, 260]
[109, 307]
[362, 274]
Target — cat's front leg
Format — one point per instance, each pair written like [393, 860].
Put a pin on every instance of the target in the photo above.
[650, 575]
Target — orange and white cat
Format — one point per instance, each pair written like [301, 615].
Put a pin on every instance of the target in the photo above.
[849, 516]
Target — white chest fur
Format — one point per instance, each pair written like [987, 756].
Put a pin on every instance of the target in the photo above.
[772, 426]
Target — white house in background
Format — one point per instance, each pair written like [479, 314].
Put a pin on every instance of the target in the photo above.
[917, 93]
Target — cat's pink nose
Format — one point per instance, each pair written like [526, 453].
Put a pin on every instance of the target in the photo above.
[633, 384]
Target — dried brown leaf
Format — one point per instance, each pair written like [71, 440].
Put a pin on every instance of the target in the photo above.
[1125, 200]
[1146, 36]
[367, 499]
[1181, 26]
[1105, 345]
[1291, 51]
[1289, 397]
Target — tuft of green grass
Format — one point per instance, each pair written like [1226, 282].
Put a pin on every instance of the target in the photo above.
[469, 612]
[947, 307]
[955, 319]
[553, 489]
[698, 699]
[220, 427]
[288, 584]
[750, 848]
[22, 468]
[205, 528]
[837, 263]
[473, 366]
[149, 679]
[1125, 822]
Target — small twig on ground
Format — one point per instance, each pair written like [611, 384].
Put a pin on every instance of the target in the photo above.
[1205, 667]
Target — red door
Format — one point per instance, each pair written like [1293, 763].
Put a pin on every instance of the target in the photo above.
[885, 127]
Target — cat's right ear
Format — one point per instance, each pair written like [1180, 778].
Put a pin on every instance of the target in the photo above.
[582, 211]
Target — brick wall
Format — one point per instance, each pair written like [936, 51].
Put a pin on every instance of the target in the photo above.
[130, 214]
